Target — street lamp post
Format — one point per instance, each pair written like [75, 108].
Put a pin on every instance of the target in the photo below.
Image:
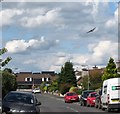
[88, 76]
[88, 79]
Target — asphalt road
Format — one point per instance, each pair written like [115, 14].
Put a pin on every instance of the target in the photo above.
[52, 103]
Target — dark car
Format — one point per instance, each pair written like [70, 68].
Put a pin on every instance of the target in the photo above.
[20, 102]
[83, 98]
[71, 97]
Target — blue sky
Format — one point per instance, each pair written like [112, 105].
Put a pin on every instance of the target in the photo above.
[43, 36]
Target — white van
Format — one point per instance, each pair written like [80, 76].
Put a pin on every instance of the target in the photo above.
[110, 98]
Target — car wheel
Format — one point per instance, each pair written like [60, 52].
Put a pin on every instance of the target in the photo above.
[91, 105]
[96, 104]
[102, 108]
[87, 104]
[99, 105]
[80, 103]
[84, 104]
[108, 109]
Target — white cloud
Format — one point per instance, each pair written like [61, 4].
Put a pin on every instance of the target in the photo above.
[55, 68]
[36, 11]
[30, 61]
[113, 21]
[31, 18]
[7, 15]
[61, 61]
[51, 17]
[17, 46]
[79, 59]
[103, 50]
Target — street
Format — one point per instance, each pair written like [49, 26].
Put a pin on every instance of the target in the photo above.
[52, 103]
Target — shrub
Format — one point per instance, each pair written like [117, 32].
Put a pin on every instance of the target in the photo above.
[73, 89]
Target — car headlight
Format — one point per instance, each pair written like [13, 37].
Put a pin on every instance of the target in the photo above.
[13, 110]
[93, 100]
[27, 111]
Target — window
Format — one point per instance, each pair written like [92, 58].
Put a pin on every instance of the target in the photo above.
[105, 89]
[27, 99]
[28, 79]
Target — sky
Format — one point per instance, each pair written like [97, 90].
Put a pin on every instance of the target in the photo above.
[42, 36]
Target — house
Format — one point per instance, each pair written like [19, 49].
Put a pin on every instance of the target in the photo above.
[89, 72]
[28, 80]
[118, 66]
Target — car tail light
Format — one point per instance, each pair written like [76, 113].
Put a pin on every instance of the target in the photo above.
[108, 98]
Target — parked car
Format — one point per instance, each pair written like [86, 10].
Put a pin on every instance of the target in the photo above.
[98, 99]
[91, 99]
[36, 90]
[20, 102]
[84, 95]
[71, 97]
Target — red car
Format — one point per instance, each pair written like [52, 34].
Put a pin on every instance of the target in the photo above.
[71, 97]
[91, 99]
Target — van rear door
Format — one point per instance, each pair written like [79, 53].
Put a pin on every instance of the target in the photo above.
[114, 93]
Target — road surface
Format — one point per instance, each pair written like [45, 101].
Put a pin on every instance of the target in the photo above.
[52, 103]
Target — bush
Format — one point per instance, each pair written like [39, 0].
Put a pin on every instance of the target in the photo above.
[73, 89]
[8, 82]
[76, 90]
[79, 91]
[64, 88]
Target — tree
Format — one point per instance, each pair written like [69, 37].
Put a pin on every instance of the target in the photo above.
[8, 78]
[85, 82]
[7, 60]
[9, 82]
[53, 86]
[42, 86]
[66, 78]
[110, 70]
[95, 81]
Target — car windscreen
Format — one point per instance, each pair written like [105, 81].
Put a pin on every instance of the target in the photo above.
[71, 94]
[85, 94]
[23, 98]
[94, 95]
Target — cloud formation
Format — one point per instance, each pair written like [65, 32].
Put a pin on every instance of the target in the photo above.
[64, 26]
[18, 46]
[6, 16]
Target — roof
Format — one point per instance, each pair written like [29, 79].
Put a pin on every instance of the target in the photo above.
[88, 90]
[21, 92]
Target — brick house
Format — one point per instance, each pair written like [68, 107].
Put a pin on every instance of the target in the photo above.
[91, 72]
[28, 79]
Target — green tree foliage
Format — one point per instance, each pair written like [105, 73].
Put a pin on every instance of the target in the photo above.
[7, 78]
[53, 86]
[85, 82]
[7, 60]
[64, 87]
[110, 70]
[95, 81]
[8, 81]
[66, 78]
[73, 89]
[3, 50]
[42, 86]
